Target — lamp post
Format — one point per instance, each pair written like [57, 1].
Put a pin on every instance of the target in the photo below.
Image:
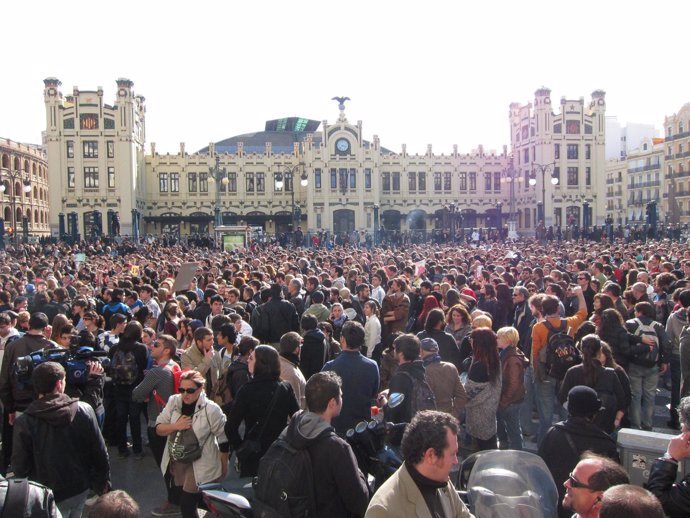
[15, 176]
[499, 217]
[543, 168]
[376, 224]
[285, 179]
[511, 176]
[218, 175]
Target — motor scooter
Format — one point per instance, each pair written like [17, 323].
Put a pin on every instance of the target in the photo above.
[370, 442]
[506, 484]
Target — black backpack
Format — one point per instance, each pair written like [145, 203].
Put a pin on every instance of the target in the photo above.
[284, 485]
[422, 397]
[561, 352]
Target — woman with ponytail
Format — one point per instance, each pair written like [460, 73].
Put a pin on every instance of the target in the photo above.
[603, 380]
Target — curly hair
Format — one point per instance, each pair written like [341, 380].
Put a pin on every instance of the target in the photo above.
[428, 429]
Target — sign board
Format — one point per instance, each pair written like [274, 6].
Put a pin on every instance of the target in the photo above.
[185, 276]
[233, 241]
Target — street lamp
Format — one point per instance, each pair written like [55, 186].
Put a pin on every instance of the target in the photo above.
[376, 223]
[14, 176]
[511, 176]
[533, 181]
[219, 176]
[285, 178]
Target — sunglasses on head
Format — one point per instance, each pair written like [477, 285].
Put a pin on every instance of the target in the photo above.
[188, 391]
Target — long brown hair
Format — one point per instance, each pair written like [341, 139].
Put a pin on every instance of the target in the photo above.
[591, 346]
[485, 350]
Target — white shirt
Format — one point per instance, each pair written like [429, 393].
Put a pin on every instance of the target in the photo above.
[378, 294]
[372, 333]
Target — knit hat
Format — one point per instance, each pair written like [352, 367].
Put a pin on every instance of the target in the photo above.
[196, 324]
[429, 345]
[583, 401]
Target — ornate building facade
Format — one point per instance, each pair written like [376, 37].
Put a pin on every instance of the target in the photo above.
[677, 165]
[24, 188]
[319, 176]
[95, 157]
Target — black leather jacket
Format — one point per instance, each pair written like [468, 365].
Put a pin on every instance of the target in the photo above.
[40, 502]
[57, 442]
[674, 497]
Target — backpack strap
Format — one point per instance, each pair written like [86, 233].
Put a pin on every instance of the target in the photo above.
[564, 326]
[156, 395]
[16, 499]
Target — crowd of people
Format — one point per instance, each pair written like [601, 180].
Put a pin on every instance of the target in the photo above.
[493, 344]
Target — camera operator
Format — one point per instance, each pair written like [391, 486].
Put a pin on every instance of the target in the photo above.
[17, 396]
[91, 391]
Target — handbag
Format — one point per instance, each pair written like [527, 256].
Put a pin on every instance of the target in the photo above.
[252, 447]
[184, 446]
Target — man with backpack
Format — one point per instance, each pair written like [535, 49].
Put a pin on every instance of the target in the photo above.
[309, 470]
[128, 361]
[410, 380]
[548, 335]
[645, 368]
[156, 387]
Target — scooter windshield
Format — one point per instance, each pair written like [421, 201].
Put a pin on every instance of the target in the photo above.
[511, 484]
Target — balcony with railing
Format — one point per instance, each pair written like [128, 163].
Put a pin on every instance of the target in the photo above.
[640, 169]
[680, 174]
[640, 201]
[642, 185]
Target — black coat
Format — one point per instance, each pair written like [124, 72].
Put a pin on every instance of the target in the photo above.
[340, 487]
[561, 458]
[674, 497]
[314, 353]
[251, 405]
[57, 442]
[279, 317]
[447, 346]
[606, 384]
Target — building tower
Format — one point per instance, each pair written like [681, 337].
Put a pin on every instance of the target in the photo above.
[95, 155]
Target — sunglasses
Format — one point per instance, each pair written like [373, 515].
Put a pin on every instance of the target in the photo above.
[577, 484]
[188, 391]
[157, 344]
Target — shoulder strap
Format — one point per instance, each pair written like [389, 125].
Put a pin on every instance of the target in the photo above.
[571, 443]
[549, 326]
[17, 497]
[270, 410]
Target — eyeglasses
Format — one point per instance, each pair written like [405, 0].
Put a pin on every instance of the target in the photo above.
[188, 391]
[577, 484]
[157, 344]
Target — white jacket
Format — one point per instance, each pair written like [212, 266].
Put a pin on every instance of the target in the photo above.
[208, 424]
[372, 333]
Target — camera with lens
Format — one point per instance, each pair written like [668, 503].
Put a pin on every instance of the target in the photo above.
[74, 360]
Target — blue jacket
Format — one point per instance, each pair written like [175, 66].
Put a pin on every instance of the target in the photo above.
[360, 387]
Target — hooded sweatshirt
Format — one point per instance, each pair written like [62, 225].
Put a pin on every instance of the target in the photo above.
[340, 488]
[57, 442]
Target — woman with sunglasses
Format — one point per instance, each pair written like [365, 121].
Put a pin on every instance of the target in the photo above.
[191, 409]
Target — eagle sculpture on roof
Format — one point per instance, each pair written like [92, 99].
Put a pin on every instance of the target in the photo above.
[341, 102]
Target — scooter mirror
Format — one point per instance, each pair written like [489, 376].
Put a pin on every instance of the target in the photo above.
[361, 426]
[395, 399]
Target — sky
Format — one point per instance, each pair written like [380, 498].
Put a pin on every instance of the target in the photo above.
[417, 73]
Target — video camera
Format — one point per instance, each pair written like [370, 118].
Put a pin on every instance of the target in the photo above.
[74, 360]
